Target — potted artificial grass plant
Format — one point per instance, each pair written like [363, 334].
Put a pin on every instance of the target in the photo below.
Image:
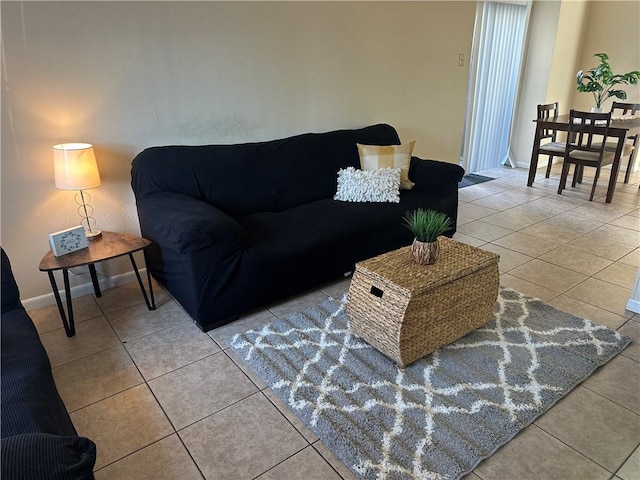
[427, 226]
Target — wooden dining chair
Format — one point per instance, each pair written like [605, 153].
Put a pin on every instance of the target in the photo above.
[587, 148]
[630, 148]
[551, 148]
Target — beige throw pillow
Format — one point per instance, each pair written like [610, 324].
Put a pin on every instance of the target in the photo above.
[374, 157]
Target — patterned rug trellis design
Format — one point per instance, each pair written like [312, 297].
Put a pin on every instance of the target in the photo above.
[439, 417]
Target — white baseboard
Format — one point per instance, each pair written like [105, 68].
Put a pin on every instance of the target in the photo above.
[634, 306]
[543, 163]
[83, 289]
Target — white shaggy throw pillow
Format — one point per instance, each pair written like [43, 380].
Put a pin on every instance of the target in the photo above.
[381, 185]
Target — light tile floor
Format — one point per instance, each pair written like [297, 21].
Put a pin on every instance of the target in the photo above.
[162, 400]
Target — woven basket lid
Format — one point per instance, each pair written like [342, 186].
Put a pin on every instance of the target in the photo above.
[455, 260]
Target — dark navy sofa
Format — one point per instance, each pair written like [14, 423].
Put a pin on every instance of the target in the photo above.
[38, 440]
[235, 227]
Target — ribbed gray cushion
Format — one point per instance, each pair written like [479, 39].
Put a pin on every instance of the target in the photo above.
[42, 456]
[38, 438]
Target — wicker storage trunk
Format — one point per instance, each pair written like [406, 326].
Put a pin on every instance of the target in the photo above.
[407, 310]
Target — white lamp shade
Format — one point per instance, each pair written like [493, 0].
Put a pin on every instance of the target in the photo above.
[75, 167]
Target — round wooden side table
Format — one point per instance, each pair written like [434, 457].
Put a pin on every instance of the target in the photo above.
[109, 245]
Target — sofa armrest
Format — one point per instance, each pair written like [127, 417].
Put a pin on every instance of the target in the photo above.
[186, 224]
[43, 456]
[432, 176]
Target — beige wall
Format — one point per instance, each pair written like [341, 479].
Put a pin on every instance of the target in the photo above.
[613, 28]
[563, 36]
[128, 75]
[553, 45]
[572, 24]
[533, 84]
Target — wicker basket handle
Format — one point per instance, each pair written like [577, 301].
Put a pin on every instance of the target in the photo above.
[376, 292]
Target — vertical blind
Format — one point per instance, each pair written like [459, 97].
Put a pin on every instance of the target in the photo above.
[493, 94]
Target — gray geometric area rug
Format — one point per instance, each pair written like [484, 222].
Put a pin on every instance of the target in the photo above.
[441, 416]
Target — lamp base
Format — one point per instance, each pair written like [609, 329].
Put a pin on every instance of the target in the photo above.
[93, 234]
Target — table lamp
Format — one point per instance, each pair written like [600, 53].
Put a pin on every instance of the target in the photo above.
[75, 168]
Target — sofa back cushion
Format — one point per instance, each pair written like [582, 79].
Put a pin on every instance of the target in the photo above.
[256, 177]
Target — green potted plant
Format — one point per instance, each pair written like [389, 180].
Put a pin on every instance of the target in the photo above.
[600, 81]
[427, 226]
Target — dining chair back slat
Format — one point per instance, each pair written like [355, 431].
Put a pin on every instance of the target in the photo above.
[552, 148]
[625, 108]
[546, 111]
[589, 125]
[588, 132]
[630, 148]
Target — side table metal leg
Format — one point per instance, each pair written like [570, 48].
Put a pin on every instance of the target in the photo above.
[153, 300]
[94, 279]
[151, 305]
[69, 326]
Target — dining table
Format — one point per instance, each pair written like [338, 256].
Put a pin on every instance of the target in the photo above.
[618, 129]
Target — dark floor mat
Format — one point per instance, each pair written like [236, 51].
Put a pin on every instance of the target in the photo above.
[472, 179]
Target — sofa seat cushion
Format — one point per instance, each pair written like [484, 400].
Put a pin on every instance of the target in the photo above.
[328, 235]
